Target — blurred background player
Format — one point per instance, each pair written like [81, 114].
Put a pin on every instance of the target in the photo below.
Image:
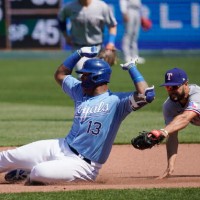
[131, 13]
[88, 18]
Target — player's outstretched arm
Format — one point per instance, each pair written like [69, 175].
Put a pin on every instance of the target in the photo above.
[172, 151]
[136, 76]
[67, 66]
[142, 88]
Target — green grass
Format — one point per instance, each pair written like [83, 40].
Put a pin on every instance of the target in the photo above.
[33, 106]
[24, 123]
[140, 194]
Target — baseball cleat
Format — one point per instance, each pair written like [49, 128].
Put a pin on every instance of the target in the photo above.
[16, 175]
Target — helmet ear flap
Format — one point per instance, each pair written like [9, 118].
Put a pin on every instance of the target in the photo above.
[101, 78]
[95, 77]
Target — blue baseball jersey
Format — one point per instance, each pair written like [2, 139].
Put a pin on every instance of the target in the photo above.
[96, 120]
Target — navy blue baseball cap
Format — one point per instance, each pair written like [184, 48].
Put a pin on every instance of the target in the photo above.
[174, 77]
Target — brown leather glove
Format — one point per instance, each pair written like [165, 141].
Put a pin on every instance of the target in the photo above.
[110, 56]
[146, 23]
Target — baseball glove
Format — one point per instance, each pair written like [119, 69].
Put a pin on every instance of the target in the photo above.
[146, 140]
[146, 24]
[110, 56]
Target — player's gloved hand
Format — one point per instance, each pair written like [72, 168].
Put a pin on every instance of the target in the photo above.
[128, 65]
[88, 52]
[150, 94]
[147, 139]
[162, 133]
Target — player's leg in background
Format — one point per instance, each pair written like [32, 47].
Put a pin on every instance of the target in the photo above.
[136, 25]
[127, 39]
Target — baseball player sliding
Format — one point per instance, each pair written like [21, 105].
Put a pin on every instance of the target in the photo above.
[98, 115]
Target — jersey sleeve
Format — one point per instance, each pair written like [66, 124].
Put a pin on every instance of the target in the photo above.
[64, 12]
[109, 17]
[125, 104]
[194, 103]
[72, 87]
[194, 106]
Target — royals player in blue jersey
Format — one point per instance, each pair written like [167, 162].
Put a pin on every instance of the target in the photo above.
[98, 116]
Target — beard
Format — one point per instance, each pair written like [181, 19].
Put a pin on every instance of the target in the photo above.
[177, 97]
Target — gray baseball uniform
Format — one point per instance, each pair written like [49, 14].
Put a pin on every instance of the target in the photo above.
[131, 8]
[87, 23]
[172, 109]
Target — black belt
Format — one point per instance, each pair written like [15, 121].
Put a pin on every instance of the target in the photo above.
[87, 45]
[79, 155]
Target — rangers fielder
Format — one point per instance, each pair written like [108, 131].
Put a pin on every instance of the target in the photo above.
[88, 20]
[181, 108]
[98, 115]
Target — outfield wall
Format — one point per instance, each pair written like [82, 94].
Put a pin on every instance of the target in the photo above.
[176, 24]
[32, 24]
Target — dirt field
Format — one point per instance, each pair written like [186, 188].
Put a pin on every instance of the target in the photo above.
[131, 168]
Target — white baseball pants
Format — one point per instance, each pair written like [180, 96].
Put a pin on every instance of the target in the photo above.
[49, 161]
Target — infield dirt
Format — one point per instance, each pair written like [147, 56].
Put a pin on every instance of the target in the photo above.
[130, 168]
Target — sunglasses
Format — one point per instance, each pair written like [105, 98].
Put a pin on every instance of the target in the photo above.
[172, 88]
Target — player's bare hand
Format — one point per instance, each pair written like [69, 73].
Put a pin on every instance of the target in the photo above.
[167, 173]
[128, 65]
[110, 46]
[88, 52]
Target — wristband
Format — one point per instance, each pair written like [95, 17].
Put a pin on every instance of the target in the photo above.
[165, 133]
[71, 61]
[135, 74]
[112, 38]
